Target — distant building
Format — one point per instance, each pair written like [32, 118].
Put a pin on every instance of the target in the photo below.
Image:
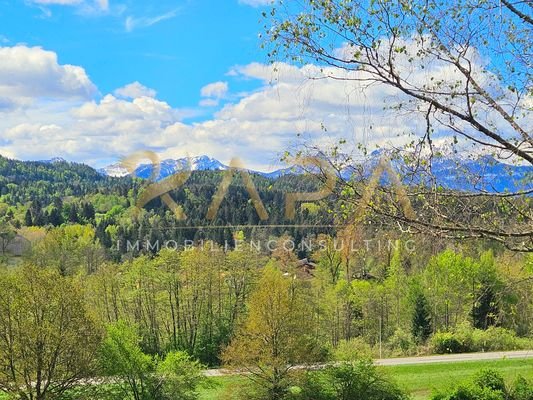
[305, 269]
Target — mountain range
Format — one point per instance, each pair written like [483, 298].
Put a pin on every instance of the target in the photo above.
[450, 171]
[169, 167]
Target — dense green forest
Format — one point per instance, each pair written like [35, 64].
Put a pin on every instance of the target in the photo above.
[47, 195]
[312, 295]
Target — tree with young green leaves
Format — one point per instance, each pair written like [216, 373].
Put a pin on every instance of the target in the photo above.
[179, 377]
[69, 249]
[7, 234]
[121, 357]
[450, 280]
[486, 307]
[145, 377]
[396, 283]
[48, 338]
[276, 335]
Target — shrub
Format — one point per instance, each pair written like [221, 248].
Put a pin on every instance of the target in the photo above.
[353, 349]
[401, 342]
[489, 385]
[467, 339]
[488, 378]
[359, 380]
[179, 376]
[465, 335]
[447, 342]
[495, 339]
[522, 389]
[142, 376]
[470, 392]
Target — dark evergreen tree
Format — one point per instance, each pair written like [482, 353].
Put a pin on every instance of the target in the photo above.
[28, 220]
[73, 214]
[57, 203]
[39, 218]
[88, 213]
[54, 217]
[421, 324]
[485, 308]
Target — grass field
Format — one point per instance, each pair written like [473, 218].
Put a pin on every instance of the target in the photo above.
[419, 380]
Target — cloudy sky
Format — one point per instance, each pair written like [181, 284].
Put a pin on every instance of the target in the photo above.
[95, 80]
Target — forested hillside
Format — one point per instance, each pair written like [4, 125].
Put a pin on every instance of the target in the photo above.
[39, 194]
[203, 289]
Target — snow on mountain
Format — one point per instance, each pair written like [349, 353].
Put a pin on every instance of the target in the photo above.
[53, 160]
[114, 170]
[450, 171]
[205, 163]
[167, 167]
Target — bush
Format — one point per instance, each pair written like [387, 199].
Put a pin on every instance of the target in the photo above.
[353, 349]
[447, 342]
[489, 385]
[359, 380]
[401, 343]
[522, 389]
[467, 339]
[470, 392]
[464, 333]
[496, 339]
[490, 379]
[142, 376]
[179, 376]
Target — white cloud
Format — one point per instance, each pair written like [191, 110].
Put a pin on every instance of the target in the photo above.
[63, 117]
[206, 102]
[88, 5]
[28, 74]
[216, 90]
[213, 93]
[256, 128]
[256, 3]
[133, 23]
[135, 90]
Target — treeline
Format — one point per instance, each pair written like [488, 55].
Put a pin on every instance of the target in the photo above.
[242, 308]
[45, 181]
[372, 287]
[38, 194]
[380, 292]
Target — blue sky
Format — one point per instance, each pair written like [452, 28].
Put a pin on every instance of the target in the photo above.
[174, 47]
[94, 81]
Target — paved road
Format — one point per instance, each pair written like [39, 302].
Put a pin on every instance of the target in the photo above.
[449, 358]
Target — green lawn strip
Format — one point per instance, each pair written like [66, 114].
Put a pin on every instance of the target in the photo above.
[419, 380]
[220, 385]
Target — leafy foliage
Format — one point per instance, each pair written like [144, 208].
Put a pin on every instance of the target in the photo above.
[48, 338]
[357, 380]
[487, 384]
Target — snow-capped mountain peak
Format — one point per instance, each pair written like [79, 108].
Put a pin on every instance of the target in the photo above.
[53, 160]
[205, 163]
[447, 168]
[166, 167]
[114, 170]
